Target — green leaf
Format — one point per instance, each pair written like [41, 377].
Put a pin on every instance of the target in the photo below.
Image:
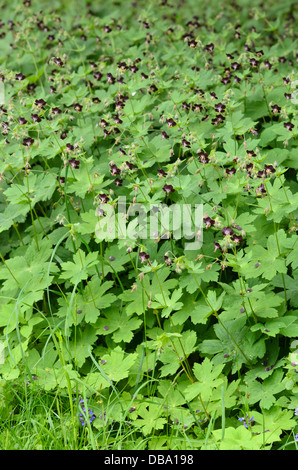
[77, 269]
[208, 378]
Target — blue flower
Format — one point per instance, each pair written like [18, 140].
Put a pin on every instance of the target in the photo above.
[83, 416]
[247, 422]
[85, 413]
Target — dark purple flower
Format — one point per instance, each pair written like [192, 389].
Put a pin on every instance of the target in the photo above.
[58, 61]
[118, 182]
[40, 103]
[98, 76]
[237, 239]
[289, 126]
[130, 166]
[168, 188]
[22, 121]
[171, 122]
[192, 43]
[122, 151]
[209, 47]
[143, 256]
[69, 147]
[114, 169]
[110, 78]
[204, 157]
[269, 169]
[208, 221]
[275, 109]
[261, 190]
[161, 173]
[227, 231]
[168, 260]
[78, 107]
[185, 143]
[19, 76]
[103, 198]
[117, 119]
[235, 66]
[217, 246]
[35, 118]
[74, 163]
[56, 111]
[219, 107]
[253, 62]
[28, 141]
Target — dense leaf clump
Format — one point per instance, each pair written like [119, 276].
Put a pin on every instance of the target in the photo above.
[155, 103]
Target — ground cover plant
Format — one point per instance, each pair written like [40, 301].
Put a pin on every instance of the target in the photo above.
[112, 342]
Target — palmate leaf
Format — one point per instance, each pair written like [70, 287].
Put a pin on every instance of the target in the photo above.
[286, 325]
[118, 324]
[168, 304]
[88, 222]
[292, 257]
[95, 298]
[197, 310]
[233, 338]
[78, 347]
[81, 266]
[53, 378]
[283, 202]
[30, 270]
[175, 350]
[238, 439]
[291, 285]
[266, 262]
[85, 179]
[87, 304]
[12, 213]
[273, 422]
[142, 292]
[117, 364]
[41, 188]
[136, 297]
[150, 419]
[208, 377]
[264, 392]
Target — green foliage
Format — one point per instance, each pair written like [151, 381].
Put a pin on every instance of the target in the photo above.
[160, 103]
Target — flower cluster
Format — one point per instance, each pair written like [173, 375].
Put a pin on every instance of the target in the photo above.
[85, 414]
